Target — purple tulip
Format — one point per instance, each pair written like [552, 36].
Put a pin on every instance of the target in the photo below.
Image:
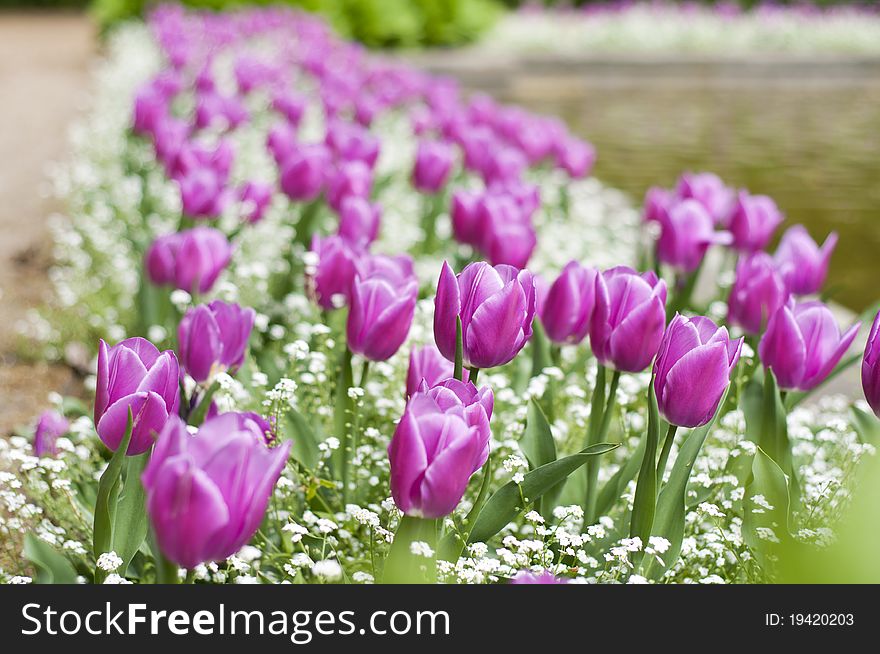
[329, 280]
[50, 426]
[359, 221]
[150, 108]
[496, 306]
[441, 440]
[382, 309]
[476, 143]
[803, 264]
[527, 196]
[753, 220]
[304, 171]
[428, 365]
[567, 309]
[871, 367]
[687, 231]
[255, 198]
[545, 577]
[576, 157]
[707, 188]
[133, 376]
[506, 234]
[213, 338]
[802, 344]
[433, 165]
[203, 193]
[290, 105]
[351, 142]
[504, 163]
[465, 215]
[395, 269]
[207, 494]
[282, 142]
[628, 318]
[190, 260]
[693, 369]
[658, 201]
[351, 179]
[213, 109]
[758, 291]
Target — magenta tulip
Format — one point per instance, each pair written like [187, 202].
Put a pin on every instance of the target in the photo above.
[465, 216]
[134, 377]
[524, 577]
[707, 188]
[329, 279]
[687, 231]
[381, 313]
[871, 367]
[50, 426]
[212, 338]
[255, 198]
[359, 221]
[753, 220]
[207, 494]
[628, 319]
[758, 291]
[576, 157]
[190, 260]
[428, 365]
[304, 172]
[203, 193]
[433, 165]
[802, 344]
[351, 179]
[352, 142]
[496, 306]
[803, 264]
[692, 370]
[567, 310]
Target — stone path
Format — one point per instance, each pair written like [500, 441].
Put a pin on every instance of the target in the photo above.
[44, 60]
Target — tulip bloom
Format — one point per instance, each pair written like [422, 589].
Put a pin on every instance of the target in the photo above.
[359, 221]
[213, 338]
[465, 216]
[707, 188]
[381, 313]
[692, 370]
[804, 265]
[428, 365]
[433, 165]
[753, 221]
[203, 193]
[290, 105]
[50, 426]
[281, 142]
[496, 306]
[687, 231]
[351, 179]
[190, 260]
[758, 291]
[576, 157]
[441, 440]
[330, 277]
[352, 142]
[658, 201]
[207, 494]
[255, 198]
[568, 308]
[133, 376]
[304, 171]
[802, 345]
[871, 367]
[628, 319]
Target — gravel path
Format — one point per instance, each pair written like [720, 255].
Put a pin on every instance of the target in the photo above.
[44, 60]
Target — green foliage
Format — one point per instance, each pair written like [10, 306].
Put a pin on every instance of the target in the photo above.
[376, 23]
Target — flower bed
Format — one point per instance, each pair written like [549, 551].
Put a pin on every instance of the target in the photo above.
[333, 352]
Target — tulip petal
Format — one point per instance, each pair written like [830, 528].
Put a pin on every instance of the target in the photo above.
[635, 341]
[496, 329]
[408, 459]
[447, 307]
[782, 349]
[149, 414]
[695, 384]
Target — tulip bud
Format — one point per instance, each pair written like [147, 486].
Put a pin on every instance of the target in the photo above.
[304, 171]
[803, 264]
[658, 201]
[359, 221]
[441, 440]
[190, 260]
[351, 179]
[708, 189]
[50, 426]
[351, 142]
[753, 221]
[207, 494]
[693, 369]
[134, 377]
[465, 215]
[508, 236]
[628, 319]
[382, 310]
[433, 165]
[567, 309]
[758, 291]
[802, 344]
[504, 163]
[255, 198]
[330, 275]
[576, 157]
[203, 193]
[282, 142]
[687, 231]
[290, 105]
[428, 365]
[213, 338]
[871, 367]
[496, 306]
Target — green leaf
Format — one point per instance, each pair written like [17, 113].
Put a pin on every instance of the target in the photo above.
[670, 513]
[866, 425]
[614, 487]
[541, 358]
[458, 370]
[537, 441]
[52, 567]
[511, 499]
[108, 495]
[402, 566]
[773, 437]
[764, 529]
[645, 501]
[131, 524]
[305, 443]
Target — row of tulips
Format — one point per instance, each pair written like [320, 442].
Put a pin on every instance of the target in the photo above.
[208, 475]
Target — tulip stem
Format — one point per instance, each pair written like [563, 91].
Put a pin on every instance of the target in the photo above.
[600, 420]
[473, 373]
[457, 371]
[664, 453]
[365, 373]
[403, 565]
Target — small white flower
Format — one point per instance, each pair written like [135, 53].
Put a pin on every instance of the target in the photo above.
[327, 569]
[109, 561]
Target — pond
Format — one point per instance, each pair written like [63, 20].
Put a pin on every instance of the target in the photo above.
[808, 137]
